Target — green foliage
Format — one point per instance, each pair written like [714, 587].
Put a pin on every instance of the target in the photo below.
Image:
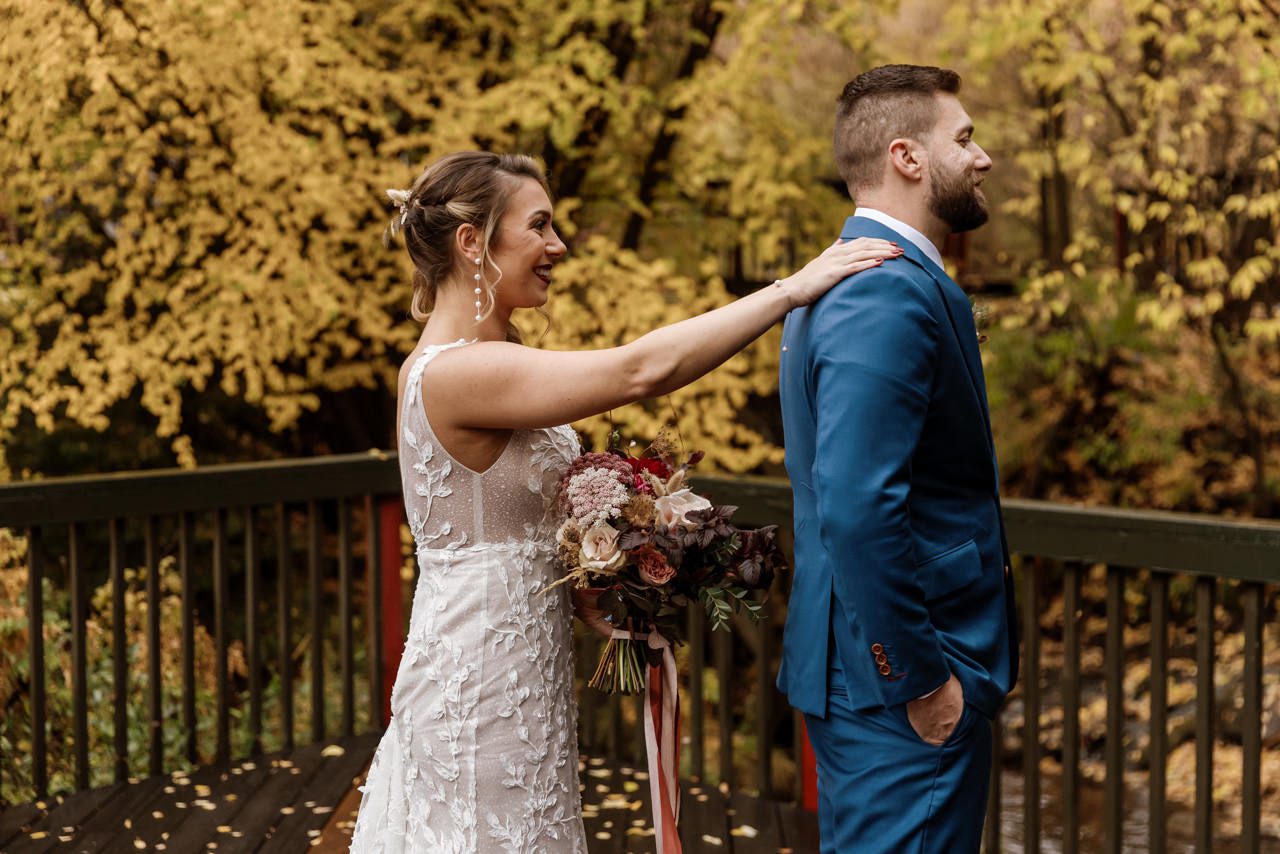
[1144, 142]
[189, 228]
[721, 602]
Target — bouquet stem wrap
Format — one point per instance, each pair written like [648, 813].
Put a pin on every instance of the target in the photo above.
[662, 740]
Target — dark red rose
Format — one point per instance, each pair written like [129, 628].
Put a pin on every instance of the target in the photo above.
[655, 467]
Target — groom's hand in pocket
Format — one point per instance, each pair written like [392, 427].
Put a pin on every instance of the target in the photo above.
[936, 716]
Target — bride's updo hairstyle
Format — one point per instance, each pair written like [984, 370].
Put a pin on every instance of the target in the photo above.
[472, 187]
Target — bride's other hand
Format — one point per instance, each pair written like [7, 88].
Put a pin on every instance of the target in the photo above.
[839, 261]
[584, 608]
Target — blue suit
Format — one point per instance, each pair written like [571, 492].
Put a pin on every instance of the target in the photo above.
[901, 561]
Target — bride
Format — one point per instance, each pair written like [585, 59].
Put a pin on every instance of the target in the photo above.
[481, 751]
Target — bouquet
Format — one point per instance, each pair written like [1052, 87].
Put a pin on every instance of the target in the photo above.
[634, 532]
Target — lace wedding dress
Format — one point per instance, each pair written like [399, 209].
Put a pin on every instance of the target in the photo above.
[481, 754]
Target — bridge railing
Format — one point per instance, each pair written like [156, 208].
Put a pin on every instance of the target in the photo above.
[1168, 593]
[314, 527]
[289, 582]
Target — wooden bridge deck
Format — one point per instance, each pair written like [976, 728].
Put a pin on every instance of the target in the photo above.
[307, 801]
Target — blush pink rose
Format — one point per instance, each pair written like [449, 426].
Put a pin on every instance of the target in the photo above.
[674, 509]
[600, 548]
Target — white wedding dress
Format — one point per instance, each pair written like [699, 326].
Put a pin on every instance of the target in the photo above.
[481, 754]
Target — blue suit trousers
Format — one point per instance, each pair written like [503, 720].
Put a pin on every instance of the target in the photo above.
[882, 790]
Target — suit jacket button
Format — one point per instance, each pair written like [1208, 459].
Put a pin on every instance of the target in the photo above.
[882, 659]
[884, 670]
[876, 649]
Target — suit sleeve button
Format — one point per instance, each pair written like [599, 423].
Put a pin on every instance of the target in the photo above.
[877, 649]
[882, 659]
[884, 670]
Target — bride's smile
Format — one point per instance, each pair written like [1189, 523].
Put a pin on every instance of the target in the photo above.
[524, 250]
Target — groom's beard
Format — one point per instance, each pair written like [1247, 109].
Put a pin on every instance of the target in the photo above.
[957, 202]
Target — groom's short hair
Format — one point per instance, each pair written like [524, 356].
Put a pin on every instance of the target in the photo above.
[879, 106]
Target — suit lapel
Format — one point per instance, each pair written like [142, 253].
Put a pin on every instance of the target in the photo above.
[961, 316]
[954, 302]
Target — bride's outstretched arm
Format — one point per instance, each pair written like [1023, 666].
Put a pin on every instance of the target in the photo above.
[495, 385]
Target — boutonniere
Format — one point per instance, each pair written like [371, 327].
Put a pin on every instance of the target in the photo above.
[981, 320]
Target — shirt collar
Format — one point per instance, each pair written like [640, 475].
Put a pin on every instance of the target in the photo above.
[922, 243]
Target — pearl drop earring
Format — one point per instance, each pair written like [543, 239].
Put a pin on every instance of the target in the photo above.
[477, 278]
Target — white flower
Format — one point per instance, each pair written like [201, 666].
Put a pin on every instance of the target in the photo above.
[600, 548]
[674, 509]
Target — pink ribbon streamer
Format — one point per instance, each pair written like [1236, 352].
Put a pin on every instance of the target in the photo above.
[662, 741]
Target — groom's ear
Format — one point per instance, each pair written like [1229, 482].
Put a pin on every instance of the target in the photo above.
[906, 157]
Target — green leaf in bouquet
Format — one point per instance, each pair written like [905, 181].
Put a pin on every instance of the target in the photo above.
[719, 611]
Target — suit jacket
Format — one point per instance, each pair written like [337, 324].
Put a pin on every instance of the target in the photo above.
[901, 559]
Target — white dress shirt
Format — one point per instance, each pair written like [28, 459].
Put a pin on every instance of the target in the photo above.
[922, 243]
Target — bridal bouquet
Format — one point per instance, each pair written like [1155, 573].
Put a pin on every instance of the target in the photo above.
[633, 532]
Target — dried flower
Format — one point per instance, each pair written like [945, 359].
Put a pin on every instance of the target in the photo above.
[570, 533]
[640, 511]
[595, 495]
[652, 566]
[591, 459]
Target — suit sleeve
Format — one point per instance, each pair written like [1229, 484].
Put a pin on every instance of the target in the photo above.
[873, 352]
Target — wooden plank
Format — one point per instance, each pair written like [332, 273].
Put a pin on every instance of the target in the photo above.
[187, 811]
[1252, 599]
[221, 639]
[1206, 648]
[314, 802]
[36, 675]
[315, 648]
[99, 497]
[18, 819]
[284, 629]
[73, 819]
[274, 803]
[119, 652]
[287, 776]
[155, 675]
[186, 545]
[606, 812]
[373, 596]
[252, 603]
[335, 836]
[345, 655]
[79, 656]
[1114, 797]
[1031, 669]
[704, 820]
[799, 828]
[1159, 722]
[754, 827]
[1182, 542]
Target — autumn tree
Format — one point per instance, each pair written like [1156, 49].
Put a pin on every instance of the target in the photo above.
[193, 204]
[1147, 139]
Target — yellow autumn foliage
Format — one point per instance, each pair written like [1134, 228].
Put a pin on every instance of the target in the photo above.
[192, 192]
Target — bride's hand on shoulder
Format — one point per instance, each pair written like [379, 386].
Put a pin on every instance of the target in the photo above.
[838, 261]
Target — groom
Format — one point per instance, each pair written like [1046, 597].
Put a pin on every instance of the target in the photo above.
[901, 641]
